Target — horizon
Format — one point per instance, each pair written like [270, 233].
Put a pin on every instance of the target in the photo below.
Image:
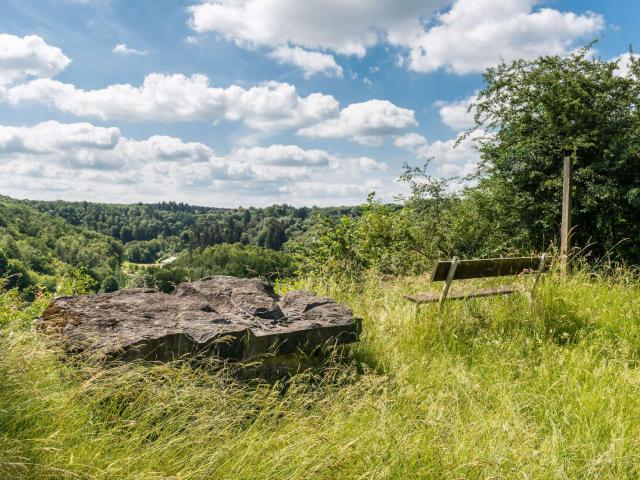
[229, 104]
[240, 207]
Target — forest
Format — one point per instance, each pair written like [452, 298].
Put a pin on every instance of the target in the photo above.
[502, 387]
[41, 242]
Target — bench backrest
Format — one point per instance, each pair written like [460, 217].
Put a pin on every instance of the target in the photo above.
[490, 267]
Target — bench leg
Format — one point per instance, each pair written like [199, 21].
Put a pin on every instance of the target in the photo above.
[541, 267]
[447, 283]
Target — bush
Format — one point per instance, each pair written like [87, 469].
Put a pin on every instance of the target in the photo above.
[234, 259]
[77, 281]
[17, 275]
[109, 284]
[166, 279]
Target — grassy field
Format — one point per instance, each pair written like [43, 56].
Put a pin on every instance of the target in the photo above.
[495, 388]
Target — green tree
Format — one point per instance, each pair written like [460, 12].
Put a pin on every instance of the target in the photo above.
[17, 275]
[4, 263]
[166, 279]
[539, 111]
[109, 284]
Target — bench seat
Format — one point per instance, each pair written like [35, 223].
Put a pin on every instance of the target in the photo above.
[420, 298]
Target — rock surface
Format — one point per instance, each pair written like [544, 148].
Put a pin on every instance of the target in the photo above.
[228, 317]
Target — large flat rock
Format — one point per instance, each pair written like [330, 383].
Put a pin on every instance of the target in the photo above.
[229, 317]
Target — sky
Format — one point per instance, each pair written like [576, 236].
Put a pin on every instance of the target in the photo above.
[253, 102]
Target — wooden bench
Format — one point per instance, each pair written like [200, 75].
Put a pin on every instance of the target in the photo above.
[456, 269]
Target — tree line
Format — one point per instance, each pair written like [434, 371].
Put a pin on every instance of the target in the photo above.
[171, 226]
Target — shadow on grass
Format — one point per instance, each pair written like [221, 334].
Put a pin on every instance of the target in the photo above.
[548, 317]
[561, 321]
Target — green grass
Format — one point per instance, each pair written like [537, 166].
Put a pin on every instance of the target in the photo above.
[495, 388]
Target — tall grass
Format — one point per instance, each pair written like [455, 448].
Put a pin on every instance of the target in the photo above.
[494, 388]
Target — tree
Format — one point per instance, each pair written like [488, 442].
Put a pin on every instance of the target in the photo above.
[539, 111]
[4, 263]
[17, 275]
[109, 284]
[166, 279]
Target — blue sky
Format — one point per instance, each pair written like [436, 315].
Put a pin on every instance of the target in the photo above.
[254, 102]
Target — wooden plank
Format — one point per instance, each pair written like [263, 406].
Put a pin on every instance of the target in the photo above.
[423, 297]
[420, 298]
[483, 268]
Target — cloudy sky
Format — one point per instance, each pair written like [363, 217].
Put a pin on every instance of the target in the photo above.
[255, 102]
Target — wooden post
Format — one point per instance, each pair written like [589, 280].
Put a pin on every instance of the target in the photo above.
[565, 229]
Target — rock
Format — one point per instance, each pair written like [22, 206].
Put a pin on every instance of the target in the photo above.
[232, 318]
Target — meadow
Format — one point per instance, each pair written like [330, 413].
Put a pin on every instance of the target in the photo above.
[494, 388]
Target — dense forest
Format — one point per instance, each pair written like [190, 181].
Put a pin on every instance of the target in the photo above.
[170, 226]
[37, 249]
[42, 242]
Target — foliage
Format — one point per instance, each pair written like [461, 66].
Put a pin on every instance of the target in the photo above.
[379, 239]
[40, 245]
[542, 110]
[109, 284]
[76, 282]
[402, 239]
[149, 251]
[142, 278]
[225, 259]
[39, 248]
[166, 279]
[234, 259]
[153, 230]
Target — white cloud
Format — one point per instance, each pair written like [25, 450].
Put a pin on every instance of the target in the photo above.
[123, 49]
[345, 27]
[364, 165]
[311, 63]
[410, 141]
[304, 190]
[83, 145]
[624, 63]
[29, 56]
[295, 156]
[476, 34]
[283, 155]
[269, 107]
[80, 160]
[449, 159]
[174, 98]
[366, 123]
[49, 137]
[457, 115]
[467, 38]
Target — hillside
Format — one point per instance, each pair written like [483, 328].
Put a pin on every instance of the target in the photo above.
[38, 248]
[41, 242]
[180, 225]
